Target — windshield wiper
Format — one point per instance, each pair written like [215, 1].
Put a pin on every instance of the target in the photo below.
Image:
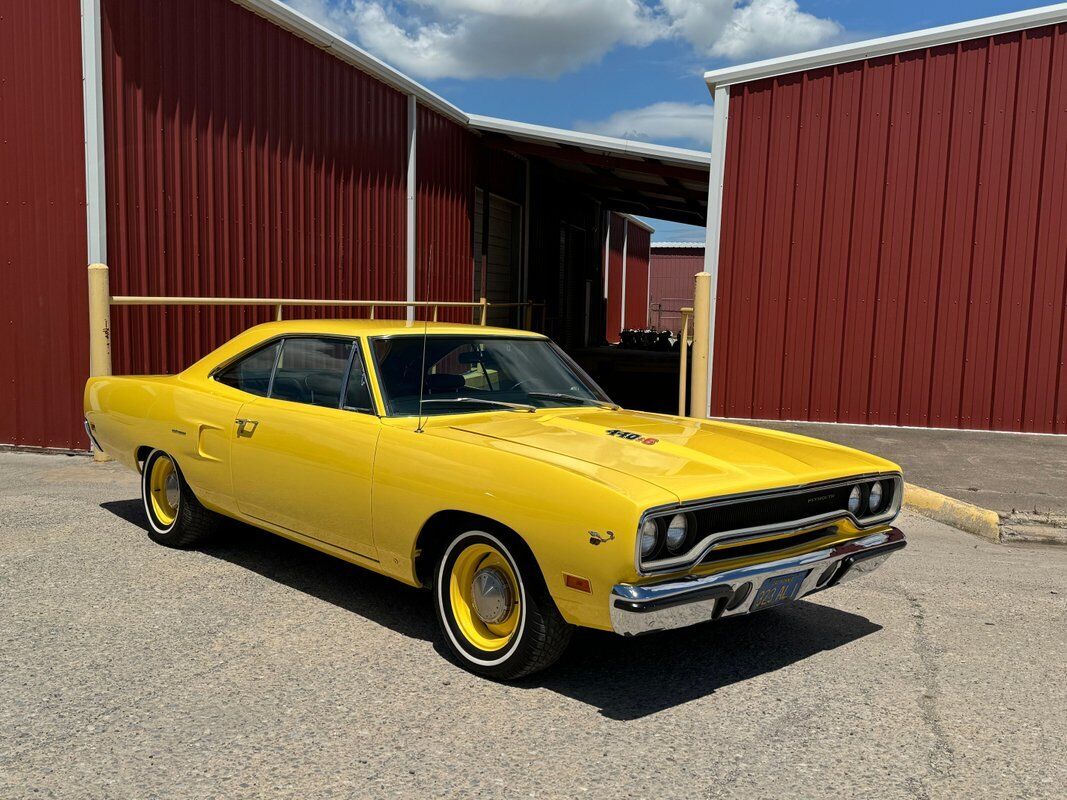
[565, 396]
[484, 401]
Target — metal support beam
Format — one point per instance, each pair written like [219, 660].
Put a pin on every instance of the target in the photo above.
[720, 123]
[412, 207]
[93, 109]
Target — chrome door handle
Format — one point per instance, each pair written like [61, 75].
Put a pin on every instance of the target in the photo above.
[246, 427]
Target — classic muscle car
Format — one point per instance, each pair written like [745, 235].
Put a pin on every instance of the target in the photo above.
[484, 464]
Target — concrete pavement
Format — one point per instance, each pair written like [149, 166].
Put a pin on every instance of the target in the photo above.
[257, 668]
[1023, 477]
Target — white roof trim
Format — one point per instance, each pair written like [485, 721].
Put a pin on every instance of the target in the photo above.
[632, 219]
[591, 141]
[900, 43]
[293, 21]
[693, 245]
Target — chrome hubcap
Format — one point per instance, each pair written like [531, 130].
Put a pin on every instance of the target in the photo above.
[491, 595]
[172, 491]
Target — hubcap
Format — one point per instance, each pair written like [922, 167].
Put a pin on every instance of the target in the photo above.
[170, 488]
[491, 595]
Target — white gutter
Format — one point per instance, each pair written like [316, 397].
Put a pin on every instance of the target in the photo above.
[713, 231]
[93, 111]
[640, 224]
[412, 206]
[887, 45]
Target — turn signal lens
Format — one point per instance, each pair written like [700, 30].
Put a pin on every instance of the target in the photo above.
[649, 537]
[855, 500]
[874, 502]
[676, 533]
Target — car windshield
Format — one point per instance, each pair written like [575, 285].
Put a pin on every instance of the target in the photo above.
[468, 374]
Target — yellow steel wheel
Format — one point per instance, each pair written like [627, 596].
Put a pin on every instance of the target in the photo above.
[165, 490]
[485, 597]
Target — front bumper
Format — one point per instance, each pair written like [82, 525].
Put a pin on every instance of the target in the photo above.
[678, 602]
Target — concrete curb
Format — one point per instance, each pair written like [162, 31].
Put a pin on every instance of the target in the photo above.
[950, 511]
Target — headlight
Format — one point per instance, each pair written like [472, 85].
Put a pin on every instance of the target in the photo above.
[855, 500]
[649, 537]
[676, 533]
[874, 501]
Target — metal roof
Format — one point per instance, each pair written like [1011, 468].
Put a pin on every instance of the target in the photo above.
[678, 245]
[887, 45]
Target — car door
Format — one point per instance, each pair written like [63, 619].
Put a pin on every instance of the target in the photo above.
[301, 457]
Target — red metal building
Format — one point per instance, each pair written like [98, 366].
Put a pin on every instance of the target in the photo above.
[889, 237]
[626, 258]
[670, 287]
[235, 148]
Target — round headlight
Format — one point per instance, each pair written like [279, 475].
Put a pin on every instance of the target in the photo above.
[874, 501]
[676, 533]
[649, 537]
[855, 500]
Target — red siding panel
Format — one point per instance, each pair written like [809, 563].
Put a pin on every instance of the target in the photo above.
[671, 271]
[443, 228]
[893, 245]
[44, 360]
[263, 166]
[637, 255]
[613, 277]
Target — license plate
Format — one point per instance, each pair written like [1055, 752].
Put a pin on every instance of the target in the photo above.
[778, 590]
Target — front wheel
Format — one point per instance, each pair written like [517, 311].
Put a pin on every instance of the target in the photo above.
[493, 607]
[175, 517]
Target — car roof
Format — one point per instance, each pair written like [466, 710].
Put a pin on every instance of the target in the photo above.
[382, 327]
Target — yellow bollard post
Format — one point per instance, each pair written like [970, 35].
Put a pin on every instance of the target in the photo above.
[698, 402]
[99, 328]
[278, 313]
[485, 310]
[435, 313]
[683, 366]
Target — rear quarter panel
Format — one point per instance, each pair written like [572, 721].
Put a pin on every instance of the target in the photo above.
[128, 413]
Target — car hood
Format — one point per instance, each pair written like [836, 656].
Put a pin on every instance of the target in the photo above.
[689, 458]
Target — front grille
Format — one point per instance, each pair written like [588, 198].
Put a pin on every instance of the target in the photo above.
[775, 545]
[762, 512]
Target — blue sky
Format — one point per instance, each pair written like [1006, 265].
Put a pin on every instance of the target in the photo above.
[619, 67]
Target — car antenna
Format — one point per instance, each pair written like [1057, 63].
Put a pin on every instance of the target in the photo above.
[422, 370]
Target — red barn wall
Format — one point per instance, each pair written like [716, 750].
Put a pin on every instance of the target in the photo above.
[44, 359]
[671, 284]
[241, 161]
[445, 269]
[616, 231]
[893, 240]
[637, 256]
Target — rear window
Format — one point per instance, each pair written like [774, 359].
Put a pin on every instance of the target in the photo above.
[252, 373]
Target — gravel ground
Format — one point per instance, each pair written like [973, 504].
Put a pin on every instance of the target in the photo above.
[257, 668]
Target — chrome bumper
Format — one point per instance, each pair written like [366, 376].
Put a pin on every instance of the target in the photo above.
[675, 603]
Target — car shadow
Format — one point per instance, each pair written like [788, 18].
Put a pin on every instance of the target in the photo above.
[628, 678]
[625, 678]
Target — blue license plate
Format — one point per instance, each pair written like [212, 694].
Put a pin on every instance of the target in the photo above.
[778, 590]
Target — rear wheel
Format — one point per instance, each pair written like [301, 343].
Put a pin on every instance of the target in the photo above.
[175, 517]
[493, 607]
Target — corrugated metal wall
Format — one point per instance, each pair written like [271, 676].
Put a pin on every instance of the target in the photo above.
[617, 225]
[671, 283]
[445, 270]
[241, 161]
[894, 248]
[637, 256]
[44, 359]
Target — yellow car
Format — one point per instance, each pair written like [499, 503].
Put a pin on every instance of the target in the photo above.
[486, 465]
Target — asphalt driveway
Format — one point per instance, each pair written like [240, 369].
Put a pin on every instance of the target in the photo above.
[255, 667]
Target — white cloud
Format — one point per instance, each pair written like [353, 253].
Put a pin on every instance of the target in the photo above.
[771, 27]
[491, 38]
[667, 122]
[545, 38]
